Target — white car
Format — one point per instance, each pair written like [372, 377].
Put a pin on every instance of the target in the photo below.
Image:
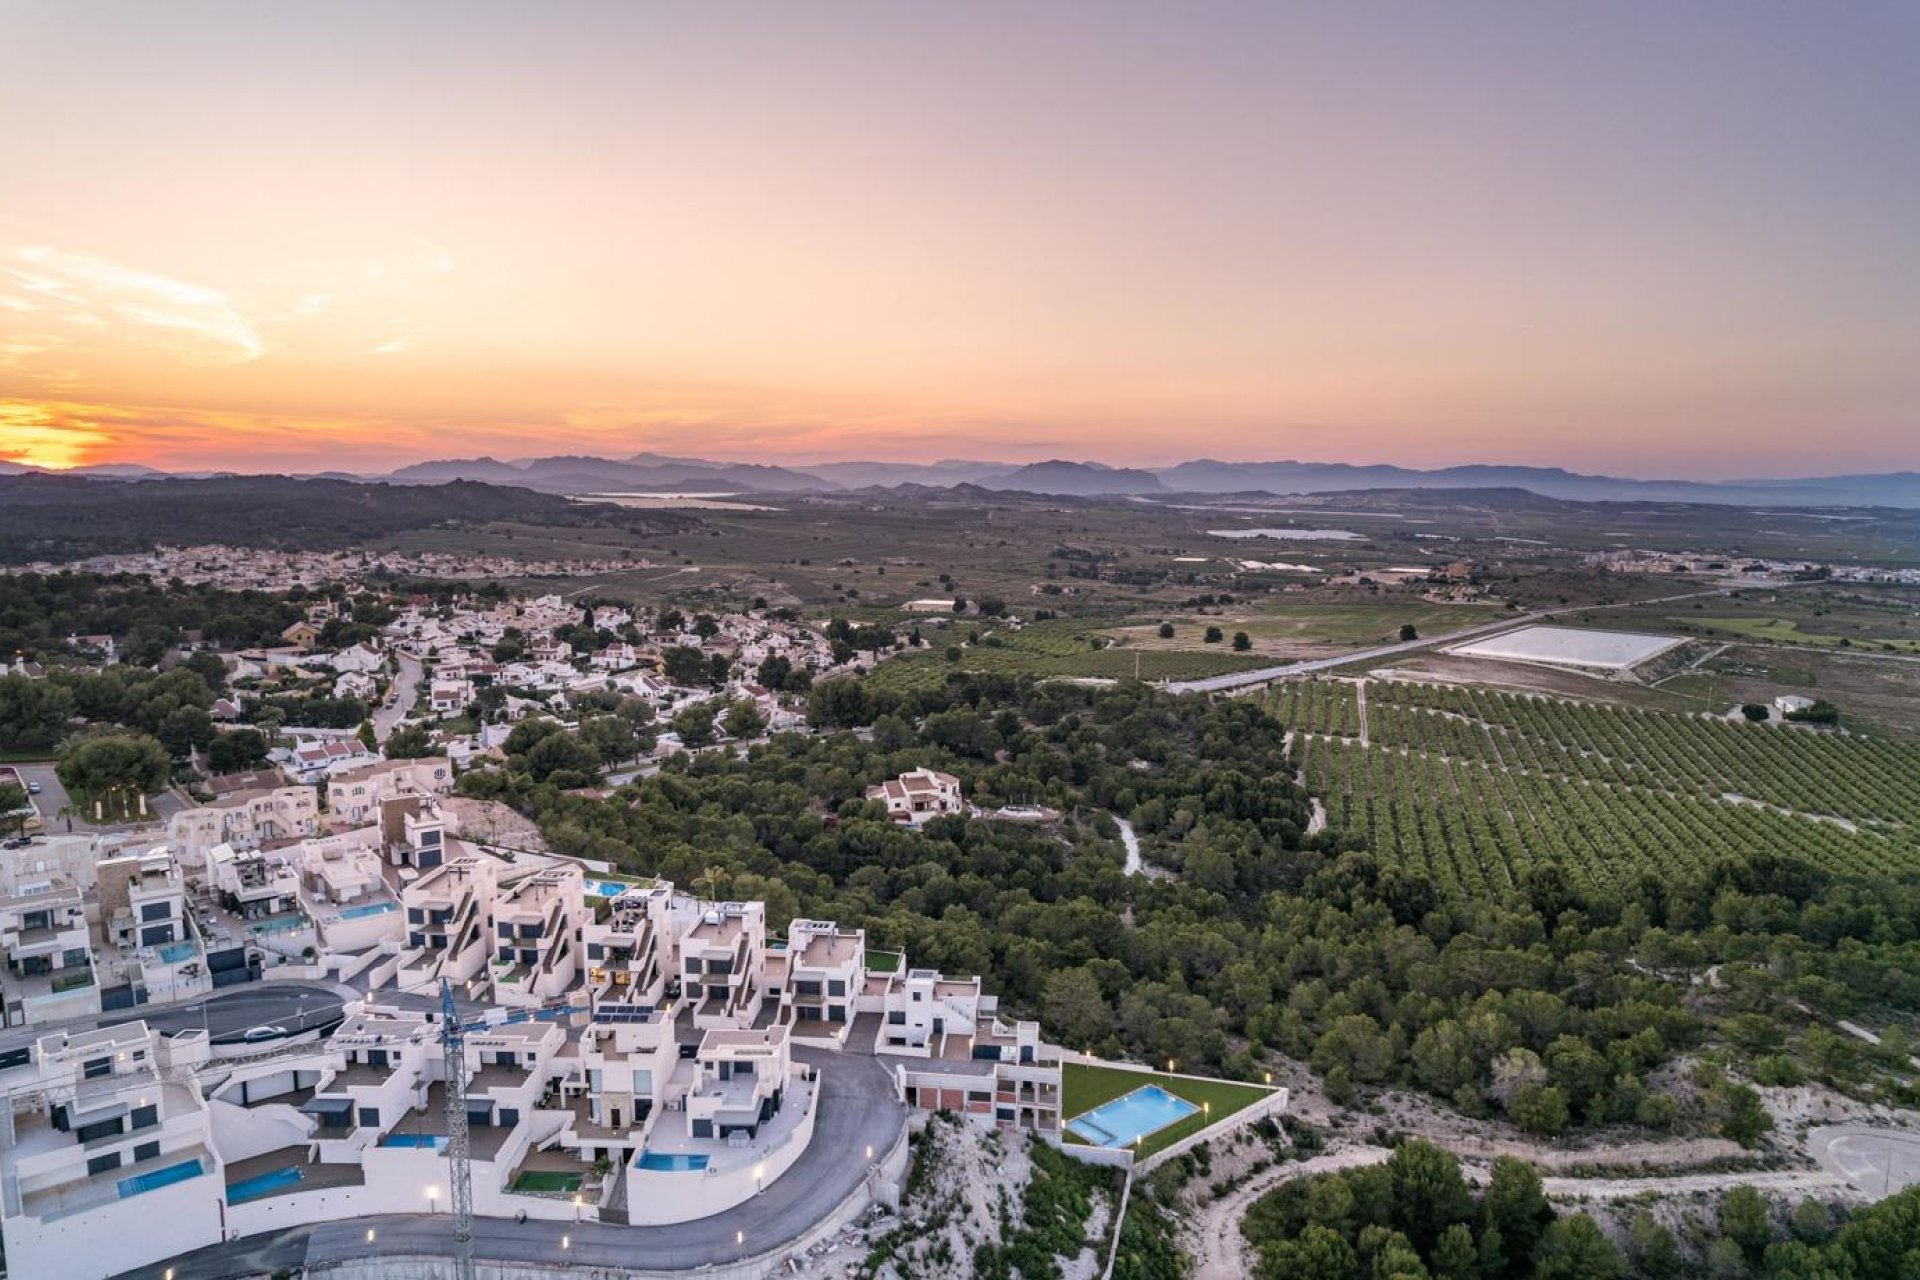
[253, 1035]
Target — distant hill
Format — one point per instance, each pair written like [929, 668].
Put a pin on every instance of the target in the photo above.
[577, 474]
[648, 472]
[1078, 479]
[58, 517]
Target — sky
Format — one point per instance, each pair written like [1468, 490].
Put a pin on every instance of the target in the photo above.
[1645, 239]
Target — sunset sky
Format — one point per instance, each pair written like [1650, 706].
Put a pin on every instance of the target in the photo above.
[1646, 239]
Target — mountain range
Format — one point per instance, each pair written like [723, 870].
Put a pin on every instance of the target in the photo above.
[654, 472]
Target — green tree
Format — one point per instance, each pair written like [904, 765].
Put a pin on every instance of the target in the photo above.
[745, 720]
[1515, 1210]
[1429, 1195]
[1213, 635]
[1241, 642]
[694, 724]
[1744, 1116]
[1408, 632]
[1745, 1221]
[1074, 1006]
[367, 737]
[1573, 1248]
[1166, 631]
[1539, 1108]
[16, 806]
[410, 742]
[236, 751]
[1655, 1253]
[1316, 1254]
[114, 764]
[685, 666]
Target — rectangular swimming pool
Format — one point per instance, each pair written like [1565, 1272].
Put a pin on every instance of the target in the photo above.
[432, 1141]
[176, 952]
[1126, 1119]
[154, 1179]
[605, 888]
[368, 909]
[662, 1162]
[262, 1184]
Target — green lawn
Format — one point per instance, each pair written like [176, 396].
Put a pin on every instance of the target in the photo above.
[885, 961]
[547, 1182]
[1787, 631]
[1084, 1088]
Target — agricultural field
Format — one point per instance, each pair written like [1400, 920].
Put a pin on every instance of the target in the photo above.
[1057, 647]
[1330, 707]
[1472, 786]
[1335, 619]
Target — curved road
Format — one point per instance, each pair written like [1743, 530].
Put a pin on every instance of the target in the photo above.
[858, 1111]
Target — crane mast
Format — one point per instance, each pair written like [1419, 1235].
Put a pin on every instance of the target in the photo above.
[459, 1157]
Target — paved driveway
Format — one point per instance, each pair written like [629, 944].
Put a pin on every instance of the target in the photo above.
[52, 798]
[858, 1112]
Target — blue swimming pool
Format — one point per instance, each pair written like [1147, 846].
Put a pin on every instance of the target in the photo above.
[604, 888]
[1136, 1115]
[661, 1162]
[154, 1179]
[263, 1184]
[369, 909]
[177, 952]
[426, 1140]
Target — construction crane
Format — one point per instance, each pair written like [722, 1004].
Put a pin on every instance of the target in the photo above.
[453, 1042]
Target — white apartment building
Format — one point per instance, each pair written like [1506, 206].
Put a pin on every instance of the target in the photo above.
[629, 955]
[355, 796]
[722, 964]
[251, 884]
[819, 978]
[244, 819]
[537, 920]
[107, 1153]
[48, 949]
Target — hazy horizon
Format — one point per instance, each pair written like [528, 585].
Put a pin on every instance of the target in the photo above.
[1624, 239]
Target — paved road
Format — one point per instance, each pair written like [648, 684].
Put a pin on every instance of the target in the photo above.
[297, 1006]
[406, 686]
[857, 1111]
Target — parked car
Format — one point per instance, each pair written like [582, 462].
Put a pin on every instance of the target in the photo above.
[253, 1035]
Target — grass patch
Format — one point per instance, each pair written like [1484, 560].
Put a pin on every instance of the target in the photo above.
[885, 961]
[1085, 1087]
[547, 1182]
[1787, 631]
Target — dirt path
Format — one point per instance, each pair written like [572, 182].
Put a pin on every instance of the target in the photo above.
[1360, 693]
[1219, 1251]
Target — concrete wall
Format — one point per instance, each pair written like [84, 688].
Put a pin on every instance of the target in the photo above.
[117, 1236]
[655, 1197]
[243, 1132]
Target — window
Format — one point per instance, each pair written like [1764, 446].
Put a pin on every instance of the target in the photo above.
[145, 1117]
[103, 1164]
[836, 987]
[979, 1095]
[94, 1068]
[146, 1151]
[156, 911]
[369, 1117]
[898, 1018]
[99, 1129]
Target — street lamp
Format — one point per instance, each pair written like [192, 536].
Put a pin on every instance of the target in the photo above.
[566, 1242]
[433, 1199]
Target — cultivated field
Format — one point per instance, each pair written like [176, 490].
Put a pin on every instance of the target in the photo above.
[1472, 786]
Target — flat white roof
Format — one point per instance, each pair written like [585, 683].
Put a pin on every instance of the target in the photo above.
[1571, 647]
